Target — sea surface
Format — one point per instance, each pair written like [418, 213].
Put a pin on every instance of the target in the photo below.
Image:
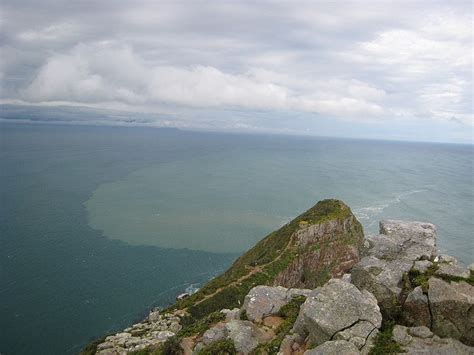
[98, 224]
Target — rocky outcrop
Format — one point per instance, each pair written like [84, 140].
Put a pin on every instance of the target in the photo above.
[396, 275]
[324, 250]
[452, 307]
[263, 301]
[416, 309]
[339, 311]
[420, 340]
[391, 256]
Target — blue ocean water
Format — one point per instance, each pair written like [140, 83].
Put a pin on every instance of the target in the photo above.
[97, 224]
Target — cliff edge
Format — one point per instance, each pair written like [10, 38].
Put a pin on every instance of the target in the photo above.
[317, 286]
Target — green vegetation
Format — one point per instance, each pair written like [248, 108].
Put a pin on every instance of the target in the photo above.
[289, 313]
[91, 348]
[272, 255]
[222, 347]
[421, 279]
[383, 343]
[192, 326]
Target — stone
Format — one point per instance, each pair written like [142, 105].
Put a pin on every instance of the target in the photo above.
[231, 314]
[242, 334]
[336, 307]
[346, 278]
[452, 309]
[420, 332]
[154, 316]
[443, 258]
[422, 265]
[471, 267]
[452, 270]
[357, 334]
[416, 311]
[383, 278]
[263, 301]
[335, 347]
[291, 343]
[420, 340]
[215, 333]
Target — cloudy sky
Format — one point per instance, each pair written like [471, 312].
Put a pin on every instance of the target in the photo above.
[374, 69]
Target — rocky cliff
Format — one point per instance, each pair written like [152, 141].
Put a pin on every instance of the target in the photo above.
[316, 286]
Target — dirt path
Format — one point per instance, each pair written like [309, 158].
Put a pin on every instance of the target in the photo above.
[253, 270]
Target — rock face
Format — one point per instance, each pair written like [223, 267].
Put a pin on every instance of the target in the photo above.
[452, 307]
[339, 311]
[391, 255]
[420, 340]
[417, 309]
[263, 301]
[400, 276]
[324, 250]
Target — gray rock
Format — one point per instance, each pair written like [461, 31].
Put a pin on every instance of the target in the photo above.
[452, 270]
[242, 334]
[416, 311]
[383, 278]
[452, 308]
[338, 306]
[154, 316]
[471, 267]
[335, 347]
[418, 232]
[420, 340]
[357, 334]
[443, 258]
[420, 332]
[346, 278]
[231, 314]
[215, 333]
[263, 301]
[422, 265]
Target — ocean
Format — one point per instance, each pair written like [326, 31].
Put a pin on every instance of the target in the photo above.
[99, 224]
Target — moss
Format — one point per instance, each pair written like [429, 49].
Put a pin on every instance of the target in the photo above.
[223, 347]
[384, 344]
[421, 279]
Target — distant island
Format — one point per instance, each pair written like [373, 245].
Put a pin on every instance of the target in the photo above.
[319, 286]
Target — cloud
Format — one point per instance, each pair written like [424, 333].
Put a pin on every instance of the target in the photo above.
[387, 63]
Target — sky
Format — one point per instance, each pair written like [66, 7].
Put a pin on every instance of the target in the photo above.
[362, 69]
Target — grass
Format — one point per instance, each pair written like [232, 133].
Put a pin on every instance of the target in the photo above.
[384, 344]
[222, 347]
[192, 326]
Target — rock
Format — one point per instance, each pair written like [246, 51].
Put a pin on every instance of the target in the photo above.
[263, 301]
[383, 278]
[420, 340]
[243, 334]
[291, 343]
[443, 258]
[162, 336]
[335, 347]
[416, 311]
[400, 335]
[233, 314]
[422, 265]
[471, 267]
[452, 270]
[335, 308]
[215, 333]
[346, 278]
[174, 327]
[369, 342]
[356, 334]
[452, 309]
[154, 316]
[421, 332]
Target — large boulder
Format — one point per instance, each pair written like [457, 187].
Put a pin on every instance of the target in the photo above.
[452, 309]
[383, 278]
[263, 301]
[338, 307]
[336, 347]
[246, 335]
[390, 256]
[420, 340]
[416, 310]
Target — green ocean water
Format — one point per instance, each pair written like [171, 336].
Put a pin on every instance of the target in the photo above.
[98, 224]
